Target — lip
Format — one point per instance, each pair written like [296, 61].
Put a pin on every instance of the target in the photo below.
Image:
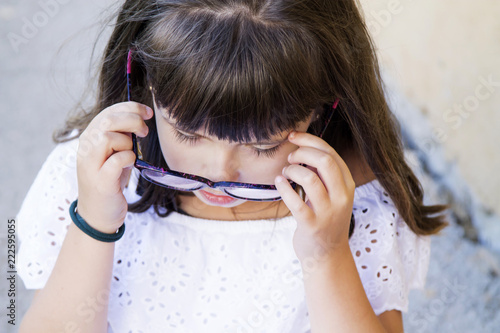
[217, 199]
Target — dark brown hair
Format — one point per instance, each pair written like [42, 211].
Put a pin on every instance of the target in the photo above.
[248, 68]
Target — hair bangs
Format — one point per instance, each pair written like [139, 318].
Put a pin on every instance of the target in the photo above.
[236, 75]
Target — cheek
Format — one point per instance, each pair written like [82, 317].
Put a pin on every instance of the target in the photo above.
[174, 154]
[174, 157]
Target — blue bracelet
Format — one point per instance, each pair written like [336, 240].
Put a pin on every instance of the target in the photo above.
[100, 236]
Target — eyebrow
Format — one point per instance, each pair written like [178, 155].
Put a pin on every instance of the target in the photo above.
[255, 143]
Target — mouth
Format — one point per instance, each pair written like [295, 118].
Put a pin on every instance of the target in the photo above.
[217, 199]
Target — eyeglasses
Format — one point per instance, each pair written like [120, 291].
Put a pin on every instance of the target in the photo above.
[187, 182]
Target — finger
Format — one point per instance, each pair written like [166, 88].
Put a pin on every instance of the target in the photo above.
[131, 107]
[112, 169]
[124, 117]
[100, 146]
[303, 139]
[311, 183]
[326, 166]
[125, 122]
[300, 210]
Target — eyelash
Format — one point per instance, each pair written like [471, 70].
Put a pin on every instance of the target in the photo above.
[267, 152]
[193, 139]
[186, 138]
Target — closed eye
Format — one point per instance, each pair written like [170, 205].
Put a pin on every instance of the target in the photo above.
[182, 137]
[268, 152]
[192, 139]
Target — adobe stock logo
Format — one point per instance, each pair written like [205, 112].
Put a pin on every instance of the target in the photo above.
[482, 92]
[31, 28]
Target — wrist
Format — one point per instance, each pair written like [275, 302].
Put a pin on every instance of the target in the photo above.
[94, 220]
[111, 236]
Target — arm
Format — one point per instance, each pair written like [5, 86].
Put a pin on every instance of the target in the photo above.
[392, 321]
[335, 296]
[75, 298]
[336, 299]
[334, 293]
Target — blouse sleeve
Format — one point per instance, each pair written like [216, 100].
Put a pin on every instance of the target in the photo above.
[44, 217]
[391, 259]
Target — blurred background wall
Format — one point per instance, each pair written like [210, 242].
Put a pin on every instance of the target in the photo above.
[45, 51]
[442, 55]
[445, 55]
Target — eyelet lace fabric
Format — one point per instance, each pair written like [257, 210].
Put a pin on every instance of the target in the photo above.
[185, 274]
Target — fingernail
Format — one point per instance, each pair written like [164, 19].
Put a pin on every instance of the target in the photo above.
[289, 157]
[283, 170]
[150, 111]
[291, 135]
[279, 179]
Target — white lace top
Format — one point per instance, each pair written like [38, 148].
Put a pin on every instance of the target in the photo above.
[185, 274]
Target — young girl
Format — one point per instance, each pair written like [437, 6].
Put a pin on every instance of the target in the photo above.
[270, 191]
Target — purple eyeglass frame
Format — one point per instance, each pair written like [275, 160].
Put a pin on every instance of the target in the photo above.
[142, 165]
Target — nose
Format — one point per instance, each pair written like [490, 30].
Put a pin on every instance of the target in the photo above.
[223, 163]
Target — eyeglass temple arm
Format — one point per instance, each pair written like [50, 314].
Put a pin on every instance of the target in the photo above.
[129, 85]
[329, 118]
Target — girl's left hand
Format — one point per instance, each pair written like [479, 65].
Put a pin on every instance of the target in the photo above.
[323, 220]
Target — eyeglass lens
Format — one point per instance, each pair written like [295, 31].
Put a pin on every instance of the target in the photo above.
[184, 184]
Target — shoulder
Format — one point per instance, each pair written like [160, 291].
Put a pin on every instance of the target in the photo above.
[63, 155]
[55, 179]
[373, 206]
[375, 213]
[391, 259]
[43, 217]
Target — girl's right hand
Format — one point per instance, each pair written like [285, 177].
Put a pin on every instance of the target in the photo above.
[104, 162]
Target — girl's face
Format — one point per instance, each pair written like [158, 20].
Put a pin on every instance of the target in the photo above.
[207, 156]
